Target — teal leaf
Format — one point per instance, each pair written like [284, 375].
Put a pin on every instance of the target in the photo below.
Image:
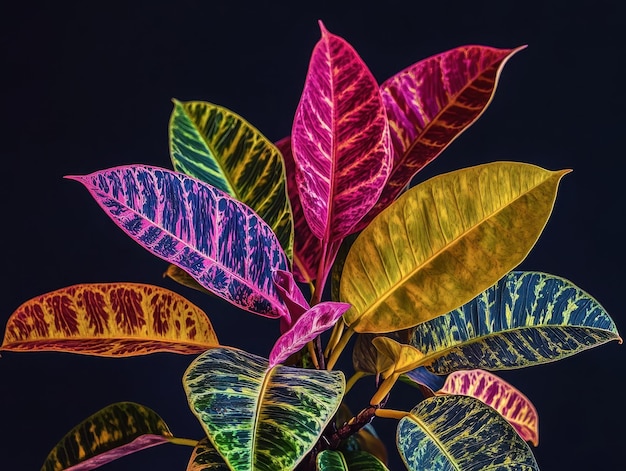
[460, 433]
[525, 319]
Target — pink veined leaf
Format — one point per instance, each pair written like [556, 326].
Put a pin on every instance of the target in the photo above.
[291, 295]
[514, 406]
[313, 322]
[340, 138]
[218, 240]
[307, 248]
[430, 103]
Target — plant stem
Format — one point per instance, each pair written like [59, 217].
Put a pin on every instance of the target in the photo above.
[391, 414]
[353, 379]
[384, 389]
[334, 337]
[311, 347]
[183, 441]
[345, 338]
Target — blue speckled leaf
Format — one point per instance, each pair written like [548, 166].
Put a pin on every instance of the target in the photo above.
[259, 417]
[460, 433]
[527, 318]
[218, 240]
[330, 460]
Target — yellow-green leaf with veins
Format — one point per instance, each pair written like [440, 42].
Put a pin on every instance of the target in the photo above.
[443, 242]
[404, 358]
[117, 430]
[219, 147]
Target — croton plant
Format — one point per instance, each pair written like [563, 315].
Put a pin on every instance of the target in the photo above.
[328, 233]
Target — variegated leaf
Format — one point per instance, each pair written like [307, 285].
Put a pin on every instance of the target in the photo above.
[111, 433]
[330, 460]
[219, 147]
[182, 277]
[421, 376]
[110, 319]
[460, 433]
[310, 324]
[525, 319]
[514, 406]
[307, 249]
[430, 103]
[340, 140]
[443, 242]
[259, 417]
[206, 458]
[218, 240]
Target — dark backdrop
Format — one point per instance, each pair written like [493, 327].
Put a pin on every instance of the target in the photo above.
[88, 85]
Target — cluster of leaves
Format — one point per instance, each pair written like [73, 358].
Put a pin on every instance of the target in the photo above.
[420, 275]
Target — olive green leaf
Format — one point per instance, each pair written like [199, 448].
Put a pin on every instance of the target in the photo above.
[443, 242]
[525, 319]
[330, 460]
[117, 430]
[215, 145]
[260, 418]
[460, 433]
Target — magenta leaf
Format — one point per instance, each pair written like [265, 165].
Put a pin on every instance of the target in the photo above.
[430, 103]
[313, 322]
[340, 138]
[307, 248]
[291, 295]
[219, 241]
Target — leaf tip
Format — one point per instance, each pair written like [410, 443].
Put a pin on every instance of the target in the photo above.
[323, 29]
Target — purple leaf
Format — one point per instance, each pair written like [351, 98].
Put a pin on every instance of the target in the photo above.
[430, 103]
[307, 248]
[340, 138]
[313, 322]
[219, 241]
[291, 295]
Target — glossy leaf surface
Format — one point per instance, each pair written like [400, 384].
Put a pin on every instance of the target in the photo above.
[307, 249]
[423, 377]
[111, 433]
[460, 433]
[340, 139]
[312, 323]
[110, 319]
[404, 357]
[260, 418]
[219, 147]
[527, 318]
[443, 242]
[430, 103]
[206, 458]
[219, 241]
[514, 406]
[330, 460]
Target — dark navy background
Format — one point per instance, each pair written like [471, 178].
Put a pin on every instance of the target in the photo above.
[88, 85]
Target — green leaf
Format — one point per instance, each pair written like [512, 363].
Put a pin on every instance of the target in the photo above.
[206, 458]
[117, 430]
[460, 433]
[527, 318]
[219, 147]
[330, 460]
[443, 242]
[260, 418]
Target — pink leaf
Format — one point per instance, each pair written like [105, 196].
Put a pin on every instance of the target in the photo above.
[307, 248]
[340, 138]
[313, 322]
[497, 393]
[219, 241]
[430, 103]
[291, 295]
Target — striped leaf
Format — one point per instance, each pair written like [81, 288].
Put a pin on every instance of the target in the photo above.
[218, 240]
[183, 278]
[111, 433]
[514, 406]
[309, 325]
[307, 249]
[430, 103]
[111, 320]
[460, 433]
[206, 458]
[525, 319]
[330, 460]
[259, 417]
[219, 147]
[340, 140]
[443, 242]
